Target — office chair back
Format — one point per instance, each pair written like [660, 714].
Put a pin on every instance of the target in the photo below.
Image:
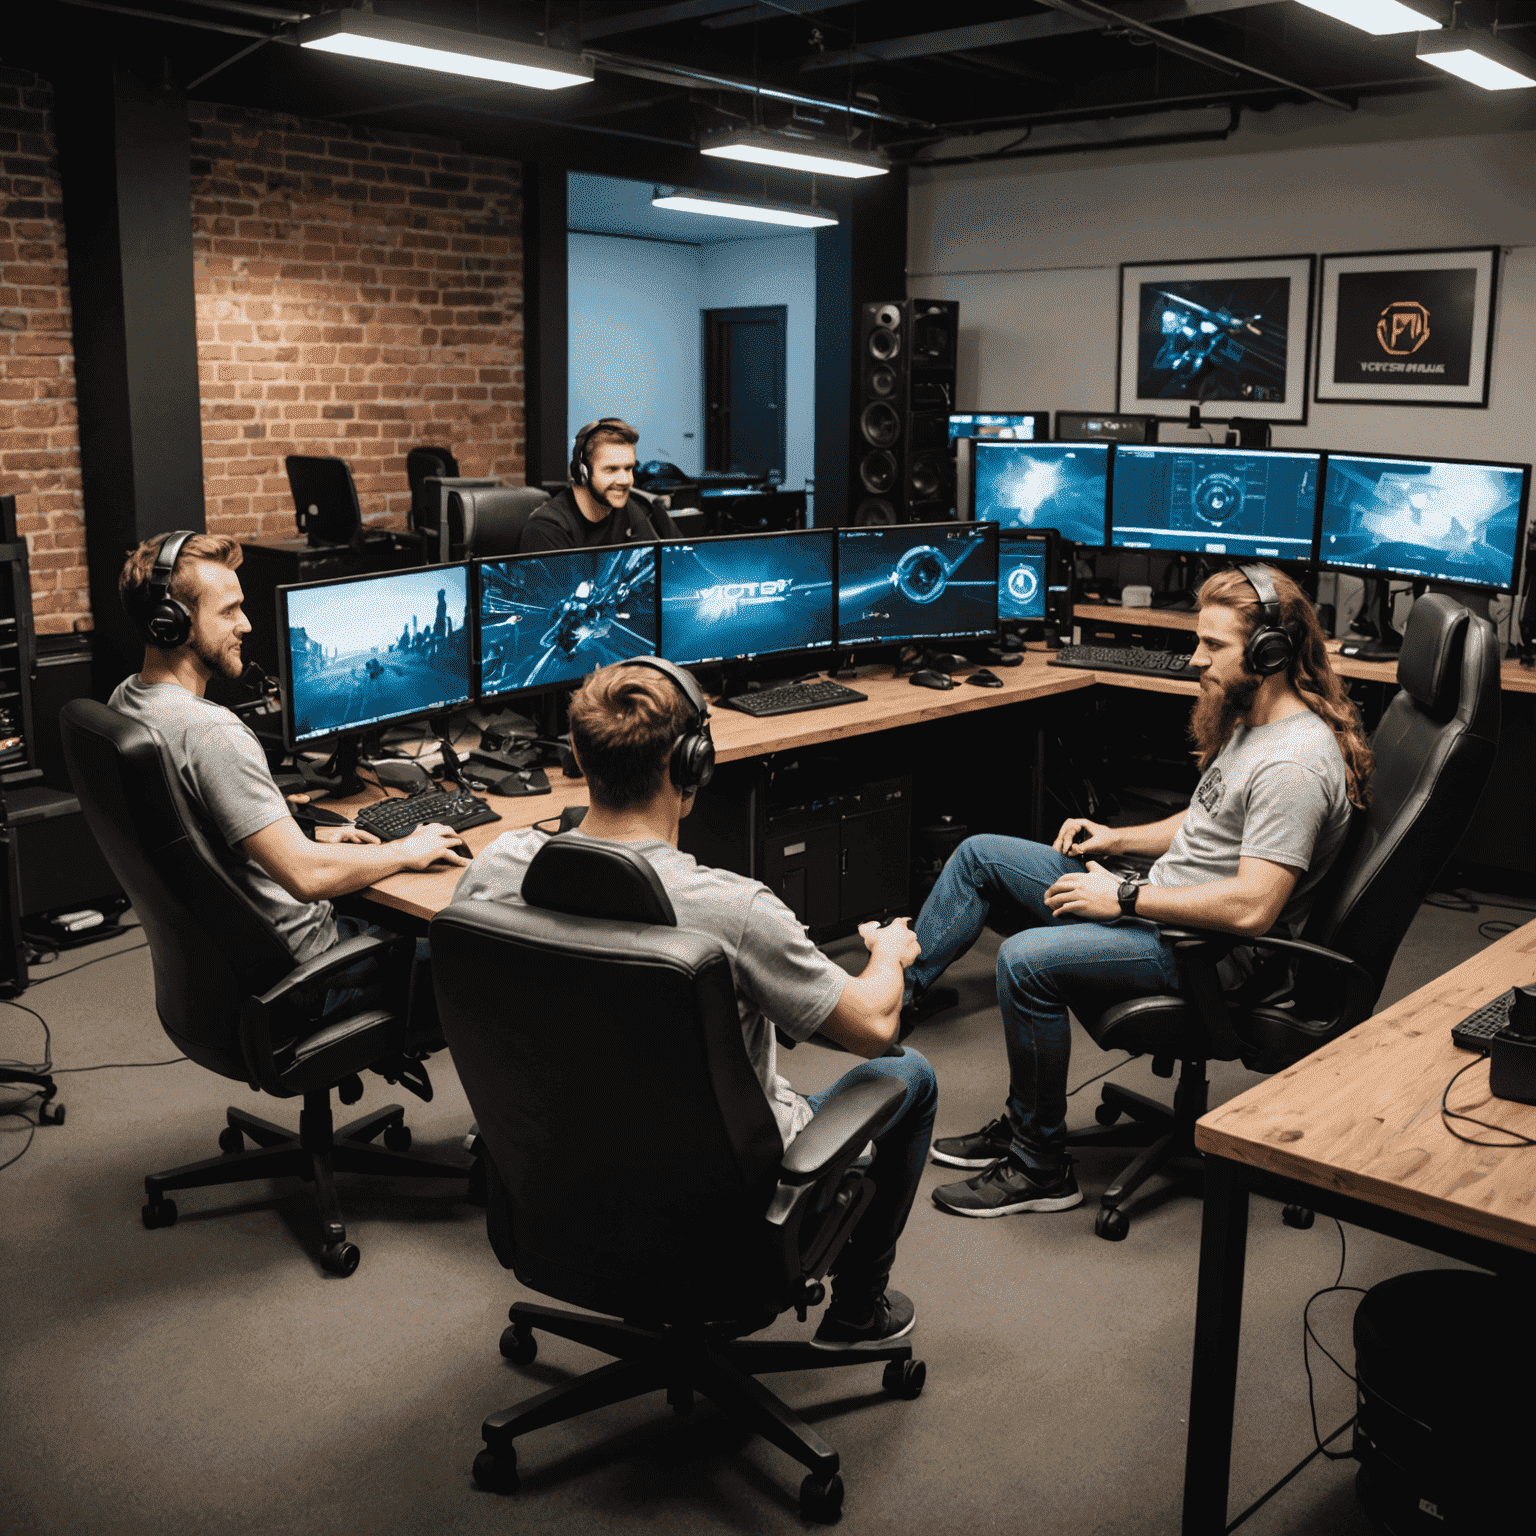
[324, 499]
[632, 1152]
[420, 463]
[210, 947]
[490, 521]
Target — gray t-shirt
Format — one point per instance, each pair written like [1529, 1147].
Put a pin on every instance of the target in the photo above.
[781, 977]
[1275, 792]
[225, 776]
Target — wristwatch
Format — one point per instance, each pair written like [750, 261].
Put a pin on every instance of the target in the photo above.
[1129, 889]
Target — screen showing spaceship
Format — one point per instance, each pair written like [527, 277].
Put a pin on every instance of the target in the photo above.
[758, 595]
[934, 581]
[547, 620]
[1215, 501]
[1012, 426]
[1043, 485]
[1021, 579]
[1434, 519]
[1214, 339]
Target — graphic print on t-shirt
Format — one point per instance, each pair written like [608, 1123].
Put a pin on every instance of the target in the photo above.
[1211, 789]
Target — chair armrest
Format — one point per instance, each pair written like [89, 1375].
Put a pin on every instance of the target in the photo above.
[839, 1129]
[1360, 989]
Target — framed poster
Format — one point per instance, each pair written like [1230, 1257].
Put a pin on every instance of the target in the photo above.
[1228, 336]
[1407, 327]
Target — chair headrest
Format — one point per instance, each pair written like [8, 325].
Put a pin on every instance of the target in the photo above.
[587, 877]
[1429, 664]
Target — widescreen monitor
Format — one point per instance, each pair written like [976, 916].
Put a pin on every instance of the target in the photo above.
[370, 650]
[1043, 485]
[1014, 426]
[1435, 519]
[547, 620]
[1095, 426]
[935, 581]
[761, 594]
[1022, 574]
[1241, 502]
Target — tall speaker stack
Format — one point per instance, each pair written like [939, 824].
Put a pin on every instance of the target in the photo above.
[902, 470]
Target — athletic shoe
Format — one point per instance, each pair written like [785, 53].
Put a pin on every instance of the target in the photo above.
[1005, 1189]
[891, 1316]
[978, 1150]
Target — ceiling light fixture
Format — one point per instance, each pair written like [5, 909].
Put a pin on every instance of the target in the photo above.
[792, 151]
[1380, 18]
[754, 212]
[358, 35]
[1479, 58]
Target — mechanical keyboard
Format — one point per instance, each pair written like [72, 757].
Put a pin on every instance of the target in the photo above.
[1478, 1028]
[793, 698]
[389, 819]
[1126, 658]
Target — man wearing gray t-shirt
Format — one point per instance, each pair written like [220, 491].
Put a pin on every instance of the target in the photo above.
[1282, 759]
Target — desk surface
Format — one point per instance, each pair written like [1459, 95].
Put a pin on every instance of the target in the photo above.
[1362, 1116]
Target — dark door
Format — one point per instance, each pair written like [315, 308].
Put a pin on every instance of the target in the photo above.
[744, 389]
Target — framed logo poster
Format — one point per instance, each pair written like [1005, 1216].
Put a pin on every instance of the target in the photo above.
[1407, 327]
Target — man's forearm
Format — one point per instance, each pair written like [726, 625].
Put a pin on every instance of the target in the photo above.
[1155, 837]
[1229, 905]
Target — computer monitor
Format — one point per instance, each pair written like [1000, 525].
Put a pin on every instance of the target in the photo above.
[367, 651]
[1062, 486]
[751, 595]
[924, 581]
[1435, 519]
[1014, 426]
[1103, 427]
[1242, 502]
[548, 619]
[1023, 578]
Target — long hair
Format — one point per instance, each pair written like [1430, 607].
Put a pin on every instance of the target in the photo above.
[1311, 673]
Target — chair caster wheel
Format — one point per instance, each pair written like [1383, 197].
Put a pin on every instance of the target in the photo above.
[159, 1213]
[231, 1141]
[496, 1471]
[904, 1378]
[340, 1258]
[821, 1502]
[1112, 1225]
[398, 1138]
[519, 1345]
[1106, 1114]
[1298, 1216]
[50, 1114]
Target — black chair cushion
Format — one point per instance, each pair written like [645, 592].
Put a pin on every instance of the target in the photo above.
[1159, 1025]
[587, 878]
[1429, 664]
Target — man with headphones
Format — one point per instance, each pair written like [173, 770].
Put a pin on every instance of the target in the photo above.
[1282, 757]
[640, 729]
[600, 507]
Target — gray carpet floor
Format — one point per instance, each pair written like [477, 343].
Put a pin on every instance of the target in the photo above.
[210, 1378]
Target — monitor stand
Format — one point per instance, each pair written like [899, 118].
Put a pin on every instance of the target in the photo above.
[338, 774]
[1374, 621]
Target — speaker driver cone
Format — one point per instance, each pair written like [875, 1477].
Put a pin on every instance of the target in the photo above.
[926, 475]
[883, 380]
[880, 423]
[888, 316]
[878, 471]
[875, 513]
[884, 344]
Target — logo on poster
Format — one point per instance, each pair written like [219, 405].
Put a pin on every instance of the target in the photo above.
[1403, 328]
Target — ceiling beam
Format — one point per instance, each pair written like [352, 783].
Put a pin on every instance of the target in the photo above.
[770, 10]
[654, 16]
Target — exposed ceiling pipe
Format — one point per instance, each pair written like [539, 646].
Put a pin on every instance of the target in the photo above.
[1144, 141]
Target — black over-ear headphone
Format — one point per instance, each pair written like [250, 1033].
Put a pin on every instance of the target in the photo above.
[161, 619]
[1270, 648]
[581, 468]
[692, 763]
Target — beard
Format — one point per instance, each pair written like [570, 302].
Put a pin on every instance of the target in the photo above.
[225, 663]
[1216, 715]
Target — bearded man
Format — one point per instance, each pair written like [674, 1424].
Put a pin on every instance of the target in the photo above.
[1282, 758]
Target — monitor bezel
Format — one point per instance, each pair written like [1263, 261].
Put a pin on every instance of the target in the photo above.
[1040, 416]
[1148, 425]
[1067, 445]
[947, 526]
[1057, 560]
[1366, 572]
[744, 538]
[1221, 449]
[291, 739]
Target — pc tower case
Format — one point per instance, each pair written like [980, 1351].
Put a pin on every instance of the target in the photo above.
[905, 389]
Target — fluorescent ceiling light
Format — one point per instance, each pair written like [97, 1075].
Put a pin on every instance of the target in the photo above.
[382, 38]
[753, 213]
[794, 152]
[1479, 58]
[1378, 17]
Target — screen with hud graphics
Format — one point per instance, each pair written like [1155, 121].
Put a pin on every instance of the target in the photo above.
[1021, 579]
[1044, 485]
[1012, 426]
[757, 595]
[934, 581]
[1436, 520]
[382, 648]
[547, 620]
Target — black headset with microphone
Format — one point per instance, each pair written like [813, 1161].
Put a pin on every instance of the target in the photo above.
[1270, 648]
[160, 618]
[692, 762]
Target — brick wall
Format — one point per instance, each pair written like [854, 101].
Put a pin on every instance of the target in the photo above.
[39, 443]
[358, 292]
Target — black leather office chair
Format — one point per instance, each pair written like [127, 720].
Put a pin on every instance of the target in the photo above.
[324, 499]
[489, 521]
[230, 996]
[1435, 747]
[586, 1011]
[420, 463]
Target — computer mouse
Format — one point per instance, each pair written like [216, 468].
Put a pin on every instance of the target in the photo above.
[462, 849]
[928, 678]
[985, 679]
[403, 774]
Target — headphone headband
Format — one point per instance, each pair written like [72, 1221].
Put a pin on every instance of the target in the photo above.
[692, 759]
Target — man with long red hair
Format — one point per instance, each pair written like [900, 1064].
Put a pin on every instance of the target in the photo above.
[1282, 760]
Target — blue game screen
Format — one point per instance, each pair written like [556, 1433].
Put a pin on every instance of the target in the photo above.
[757, 595]
[1215, 501]
[1021, 580]
[922, 582]
[547, 620]
[1438, 521]
[1044, 485]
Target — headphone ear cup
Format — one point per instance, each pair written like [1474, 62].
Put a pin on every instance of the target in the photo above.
[168, 625]
[1269, 651]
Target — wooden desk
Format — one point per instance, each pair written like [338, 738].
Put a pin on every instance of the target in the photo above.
[1354, 1131]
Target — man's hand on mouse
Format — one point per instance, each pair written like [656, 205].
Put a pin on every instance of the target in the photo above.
[431, 843]
[1080, 837]
[894, 938]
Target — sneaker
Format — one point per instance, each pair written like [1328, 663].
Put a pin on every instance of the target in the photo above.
[1005, 1188]
[978, 1150]
[891, 1316]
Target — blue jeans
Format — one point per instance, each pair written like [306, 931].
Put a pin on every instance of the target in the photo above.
[1054, 964]
[901, 1150]
[351, 987]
